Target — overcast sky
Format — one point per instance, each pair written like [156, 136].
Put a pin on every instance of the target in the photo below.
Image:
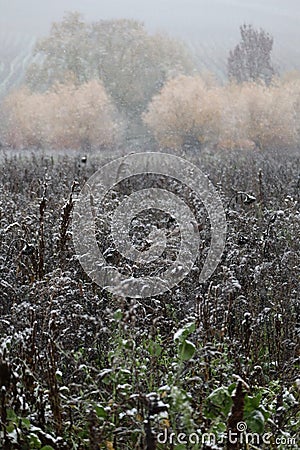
[186, 18]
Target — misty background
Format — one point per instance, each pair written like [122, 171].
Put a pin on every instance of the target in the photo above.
[209, 27]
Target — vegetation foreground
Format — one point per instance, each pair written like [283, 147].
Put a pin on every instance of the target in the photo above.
[82, 369]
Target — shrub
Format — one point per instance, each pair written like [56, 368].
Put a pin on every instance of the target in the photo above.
[264, 116]
[67, 116]
[248, 115]
[187, 112]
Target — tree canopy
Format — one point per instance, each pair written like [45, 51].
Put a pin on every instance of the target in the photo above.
[131, 63]
[251, 58]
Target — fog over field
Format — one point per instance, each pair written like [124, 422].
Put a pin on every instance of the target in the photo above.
[190, 18]
[210, 27]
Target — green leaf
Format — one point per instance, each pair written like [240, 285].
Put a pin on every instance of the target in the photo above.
[34, 441]
[252, 403]
[184, 332]
[10, 428]
[100, 411]
[264, 412]
[256, 421]
[47, 447]
[154, 348]
[219, 403]
[11, 415]
[186, 350]
[231, 388]
[26, 423]
[219, 395]
[118, 314]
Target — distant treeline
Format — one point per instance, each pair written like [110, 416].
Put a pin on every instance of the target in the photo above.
[89, 81]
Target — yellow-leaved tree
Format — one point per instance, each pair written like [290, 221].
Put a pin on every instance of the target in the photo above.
[66, 116]
[259, 116]
[186, 113]
[189, 111]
